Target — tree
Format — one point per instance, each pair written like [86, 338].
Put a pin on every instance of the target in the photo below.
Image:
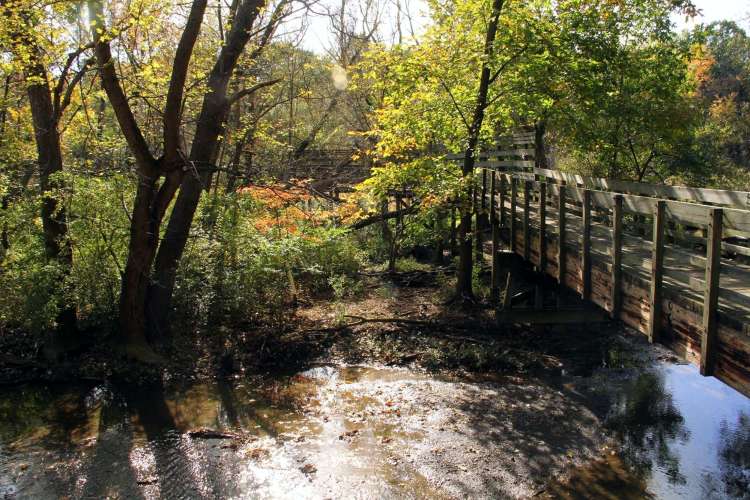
[603, 75]
[48, 100]
[159, 178]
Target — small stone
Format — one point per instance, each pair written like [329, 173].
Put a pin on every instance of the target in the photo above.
[309, 469]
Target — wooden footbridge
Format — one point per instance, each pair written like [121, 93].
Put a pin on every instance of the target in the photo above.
[667, 261]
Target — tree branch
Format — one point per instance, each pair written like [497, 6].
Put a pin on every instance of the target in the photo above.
[111, 83]
[374, 219]
[245, 92]
[60, 85]
[60, 106]
[507, 63]
[455, 105]
[177, 81]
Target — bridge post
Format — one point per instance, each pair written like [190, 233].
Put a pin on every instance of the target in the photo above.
[526, 221]
[479, 217]
[586, 246]
[657, 272]
[453, 229]
[711, 293]
[543, 227]
[495, 279]
[561, 264]
[513, 203]
[616, 256]
[501, 212]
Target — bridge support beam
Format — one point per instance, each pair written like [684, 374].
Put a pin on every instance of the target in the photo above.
[586, 246]
[657, 273]
[616, 257]
[711, 293]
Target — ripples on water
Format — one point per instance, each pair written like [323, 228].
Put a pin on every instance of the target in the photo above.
[682, 436]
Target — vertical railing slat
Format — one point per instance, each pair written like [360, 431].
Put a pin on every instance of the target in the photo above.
[526, 220]
[494, 223]
[513, 204]
[561, 210]
[543, 228]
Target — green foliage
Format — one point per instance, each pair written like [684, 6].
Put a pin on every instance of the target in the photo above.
[233, 271]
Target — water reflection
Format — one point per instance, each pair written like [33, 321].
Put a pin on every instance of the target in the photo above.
[332, 430]
[647, 422]
[734, 456]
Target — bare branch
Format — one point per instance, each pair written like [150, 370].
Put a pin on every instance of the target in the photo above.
[61, 105]
[245, 92]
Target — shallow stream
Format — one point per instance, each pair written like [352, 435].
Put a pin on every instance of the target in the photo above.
[376, 432]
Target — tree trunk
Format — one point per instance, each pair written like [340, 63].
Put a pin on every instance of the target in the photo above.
[464, 288]
[151, 200]
[144, 232]
[202, 154]
[49, 155]
[540, 149]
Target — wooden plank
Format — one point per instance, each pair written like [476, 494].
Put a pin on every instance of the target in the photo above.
[501, 153]
[526, 222]
[711, 294]
[561, 257]
[684, 213]
[513, 204]
[657, 272]
[586, 246]
[527, 164]
[617, 257]
[543, 227]
[736, 199]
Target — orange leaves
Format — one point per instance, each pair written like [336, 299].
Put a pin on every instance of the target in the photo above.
[276, 196]
[284, 208]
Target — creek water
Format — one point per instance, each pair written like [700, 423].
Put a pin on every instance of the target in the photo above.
[658, 431]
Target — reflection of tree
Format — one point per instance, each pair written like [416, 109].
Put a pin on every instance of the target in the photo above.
[734, 457]
[647, 421]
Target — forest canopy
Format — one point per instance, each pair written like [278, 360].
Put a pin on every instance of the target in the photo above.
[158, 159]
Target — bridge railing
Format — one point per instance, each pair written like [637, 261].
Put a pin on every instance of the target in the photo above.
[650, 255]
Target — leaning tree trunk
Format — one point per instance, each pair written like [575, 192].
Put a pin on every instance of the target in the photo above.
[178, 229]
[465, 265]
[152, 198]
[144, 231]
[49, 154]
[203, 152]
